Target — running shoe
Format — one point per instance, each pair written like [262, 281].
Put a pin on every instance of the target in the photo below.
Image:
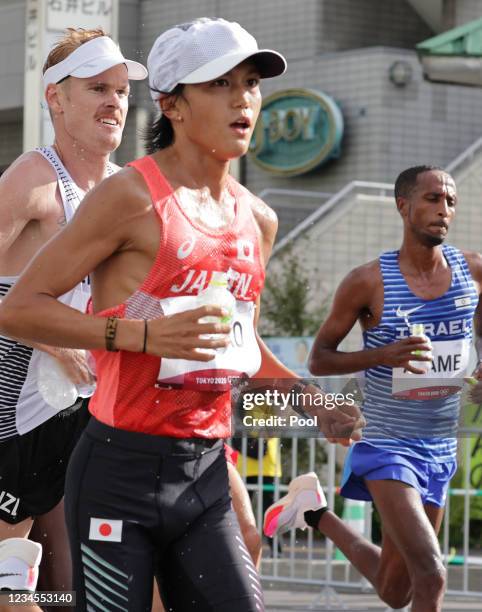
[304, 493]
[19, 561]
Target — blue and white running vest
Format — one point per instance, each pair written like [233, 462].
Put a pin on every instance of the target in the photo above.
[424, 427]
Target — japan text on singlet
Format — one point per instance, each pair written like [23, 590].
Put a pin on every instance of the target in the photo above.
[180, 398]
[411, 413]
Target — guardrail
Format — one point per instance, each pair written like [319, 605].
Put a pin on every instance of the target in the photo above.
[309, 560]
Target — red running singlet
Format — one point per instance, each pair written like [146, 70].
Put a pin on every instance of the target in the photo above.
[129, 395]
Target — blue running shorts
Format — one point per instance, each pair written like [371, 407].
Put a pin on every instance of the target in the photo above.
[367, 462]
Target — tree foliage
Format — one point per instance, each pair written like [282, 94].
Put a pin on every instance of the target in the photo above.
[286, 308]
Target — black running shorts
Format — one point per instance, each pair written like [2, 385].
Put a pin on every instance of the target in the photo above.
[139, 506]
[33, 466]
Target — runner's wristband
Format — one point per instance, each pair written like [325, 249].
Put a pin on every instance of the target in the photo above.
[144, 343]
[110, 331]
[298, 388]
[301, 383]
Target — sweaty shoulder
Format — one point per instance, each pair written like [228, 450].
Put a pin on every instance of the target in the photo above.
[361, 293]
[29, 182]
[265, 216]
[364, 280]
[474, 261]
[116, 211]
[125, 191]
[34, 165]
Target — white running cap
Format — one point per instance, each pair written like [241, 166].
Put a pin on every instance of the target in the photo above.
[91, 58]
[203, 50]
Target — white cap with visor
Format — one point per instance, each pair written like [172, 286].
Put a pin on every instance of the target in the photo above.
[203, 50]
[91, 58]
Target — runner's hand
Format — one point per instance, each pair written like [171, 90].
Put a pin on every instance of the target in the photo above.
[475, 392]
[181, 335]
[400, 354]
[74, 364]
[340, 425]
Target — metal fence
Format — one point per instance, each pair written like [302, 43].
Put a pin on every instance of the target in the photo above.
[309, 559]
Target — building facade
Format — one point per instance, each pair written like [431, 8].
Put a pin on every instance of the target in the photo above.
[346, 49]
[358, 52]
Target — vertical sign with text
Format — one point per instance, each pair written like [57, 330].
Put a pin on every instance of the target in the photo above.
[46, 21]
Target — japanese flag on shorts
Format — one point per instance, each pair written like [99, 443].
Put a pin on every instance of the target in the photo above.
[107, 530]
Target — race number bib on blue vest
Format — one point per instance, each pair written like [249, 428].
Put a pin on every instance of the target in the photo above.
[444, 377]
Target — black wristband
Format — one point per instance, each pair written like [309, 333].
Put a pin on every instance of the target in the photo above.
[144, 344]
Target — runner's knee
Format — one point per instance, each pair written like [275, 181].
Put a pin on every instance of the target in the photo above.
[429, 576]
[394, 585]
[394, 597]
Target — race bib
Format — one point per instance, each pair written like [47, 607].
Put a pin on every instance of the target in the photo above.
[445, 376]
[241, 357]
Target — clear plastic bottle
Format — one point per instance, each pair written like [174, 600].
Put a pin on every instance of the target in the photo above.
[217, 294]
[88, 389]
[418, 329]
[55, 386]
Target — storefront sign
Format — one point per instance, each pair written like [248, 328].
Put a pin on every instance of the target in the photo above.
[297, 131]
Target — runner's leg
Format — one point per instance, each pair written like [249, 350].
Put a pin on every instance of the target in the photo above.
[209, 569]
[407, 528]
[244, 511]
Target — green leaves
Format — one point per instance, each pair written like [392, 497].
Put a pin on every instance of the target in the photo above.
[287, 307]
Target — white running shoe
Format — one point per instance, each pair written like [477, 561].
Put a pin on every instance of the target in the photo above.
[19, 561]
[304, 493]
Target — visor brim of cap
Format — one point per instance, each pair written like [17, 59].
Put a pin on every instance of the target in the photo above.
[269, 64]
[135, 71]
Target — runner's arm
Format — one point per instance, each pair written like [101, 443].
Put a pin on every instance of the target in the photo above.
[31, 311]
[27, 189]
[342, 424]
[267, 221]
[352, 298]
[21, 188]
[474, 261]
[359, 296]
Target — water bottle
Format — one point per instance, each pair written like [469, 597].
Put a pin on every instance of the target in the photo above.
[55, 387]
[217, 294]
[88, 389]
[418, 329]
